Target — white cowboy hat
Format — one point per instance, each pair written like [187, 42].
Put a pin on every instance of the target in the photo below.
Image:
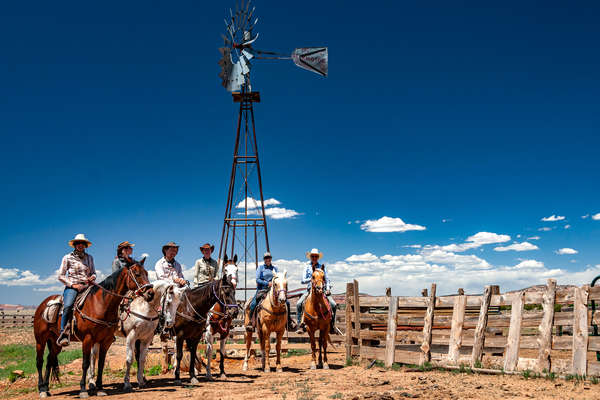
[314, 251]
[80, 237]
[267, 254]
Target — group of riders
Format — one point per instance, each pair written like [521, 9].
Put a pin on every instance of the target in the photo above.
[77, 272]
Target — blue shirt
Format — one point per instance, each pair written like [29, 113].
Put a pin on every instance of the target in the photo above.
[308, 276]
[264, 275]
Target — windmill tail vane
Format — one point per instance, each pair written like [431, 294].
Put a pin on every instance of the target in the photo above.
[238, 51]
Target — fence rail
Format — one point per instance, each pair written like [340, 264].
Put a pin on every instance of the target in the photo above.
[15, 320]
[545, 330]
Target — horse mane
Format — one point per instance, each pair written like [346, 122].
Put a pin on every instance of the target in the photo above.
[110, 283]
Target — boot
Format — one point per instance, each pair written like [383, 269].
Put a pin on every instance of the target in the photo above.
[63, 338]
[291, 324]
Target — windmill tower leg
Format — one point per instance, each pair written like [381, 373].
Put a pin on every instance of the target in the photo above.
[238, 213]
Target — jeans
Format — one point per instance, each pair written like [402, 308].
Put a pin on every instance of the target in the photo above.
[254, 302]
[69, 296]
[300, 306]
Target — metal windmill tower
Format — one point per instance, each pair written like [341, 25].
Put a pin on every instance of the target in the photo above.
[245, 222]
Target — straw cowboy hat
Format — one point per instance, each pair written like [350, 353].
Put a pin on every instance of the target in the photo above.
[166, 246]
[124, 245]
[208, 246]
[314, 251]
[267, 255]
[80, 237]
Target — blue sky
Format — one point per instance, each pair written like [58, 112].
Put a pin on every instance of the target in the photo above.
[113, 123]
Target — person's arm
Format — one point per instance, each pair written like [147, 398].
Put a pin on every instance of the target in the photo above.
[196, 270]
[92, 276]
[62, 272]
[327, 281]
[259, 279]
[307, 275]
[160, 272]
[115, 265]
[216, 266]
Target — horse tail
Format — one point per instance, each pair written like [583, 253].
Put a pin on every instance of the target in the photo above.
[52, 360]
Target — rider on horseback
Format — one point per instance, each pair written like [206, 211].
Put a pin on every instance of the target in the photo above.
[123, 258]
[314, 255]
[206, 268]
[167, 268]
[76, 272]
[264, 276]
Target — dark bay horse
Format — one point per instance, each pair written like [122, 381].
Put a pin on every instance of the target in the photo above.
[95, 322]
[191, 318]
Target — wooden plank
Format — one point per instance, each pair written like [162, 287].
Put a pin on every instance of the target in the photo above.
[349, 296]
[426, 346]
[545, 328]
[477, 352]
[511, 356]
[458, 319]
[580, 331]
[356, 304]
[390, 341]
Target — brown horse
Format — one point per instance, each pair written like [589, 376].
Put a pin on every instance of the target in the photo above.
[317, 317]
[271, 316]
[95, 322]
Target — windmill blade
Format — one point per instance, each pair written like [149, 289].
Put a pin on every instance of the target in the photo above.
[313, 59]
[227, 41]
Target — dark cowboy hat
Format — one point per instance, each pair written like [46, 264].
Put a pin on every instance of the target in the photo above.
[124, 245]
[208, 246]
[166, 246]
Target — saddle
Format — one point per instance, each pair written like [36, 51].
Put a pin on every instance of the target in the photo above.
[54, 307]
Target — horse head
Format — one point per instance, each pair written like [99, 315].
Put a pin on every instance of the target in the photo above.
[280, 286]
[230, 269]
[137, 280]
[170, 300]
[228, 284]
[318, 281]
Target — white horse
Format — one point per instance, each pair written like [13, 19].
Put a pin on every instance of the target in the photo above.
[219, 320]
[140, 325]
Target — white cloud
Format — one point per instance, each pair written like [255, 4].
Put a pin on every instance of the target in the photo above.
[533, 238]
[566, 250]
[56, 289]
[389, 224]
[16, 277]
[473, 242]
[524, 246]
[553, 218]
[446, 220]
[255, 203]
[585, 216]
[362, 257]
[413, 246]
[275, 212]
[596, 217]
[544, 229]
[529, 264]
[567, 226]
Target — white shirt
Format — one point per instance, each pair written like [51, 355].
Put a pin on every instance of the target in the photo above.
[166, 271]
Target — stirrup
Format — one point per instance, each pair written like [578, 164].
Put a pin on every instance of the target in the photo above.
[63, 339]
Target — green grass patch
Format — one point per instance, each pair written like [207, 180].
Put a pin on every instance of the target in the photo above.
[295, 352]
[154, 370]
[22, 356]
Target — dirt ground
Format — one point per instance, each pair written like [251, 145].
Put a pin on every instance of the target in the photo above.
[298, 382]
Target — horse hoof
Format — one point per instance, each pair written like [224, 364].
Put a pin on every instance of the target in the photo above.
[101, 393]
[245, 367]
[127, 388]
[223, 376]
[267, 369]
[177, 382]
[83, 395]
[43, 395]
[92, 386]
[313, 366]
[279, 369]
[195, 381]
[209, 377]
[142, 385]
[325, 366]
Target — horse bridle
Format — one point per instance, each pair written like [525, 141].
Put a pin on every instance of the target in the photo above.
[279, 291]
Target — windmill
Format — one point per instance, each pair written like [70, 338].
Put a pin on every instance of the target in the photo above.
[245, 218]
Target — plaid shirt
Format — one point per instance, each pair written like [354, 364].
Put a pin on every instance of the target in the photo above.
[74, 270]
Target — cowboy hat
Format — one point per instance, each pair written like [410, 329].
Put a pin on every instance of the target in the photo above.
[313, 251]
[124, 245]
[170, 244]
[80, 237]
[267, 255]
[208, 246]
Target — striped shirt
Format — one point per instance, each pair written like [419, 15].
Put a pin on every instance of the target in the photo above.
[74, 270]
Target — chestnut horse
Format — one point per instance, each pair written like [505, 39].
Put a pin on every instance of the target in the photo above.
[219, 321]
[317, 317]
[271, 316]
[191, 318]
[95, 322]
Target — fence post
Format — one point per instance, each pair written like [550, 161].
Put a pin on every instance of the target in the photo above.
[545, 328]
[356, 304]
[458, 320]
[513, 342]
[349, 294]
[479, 339]
[580, 330]
[390, 337]
[427, 328]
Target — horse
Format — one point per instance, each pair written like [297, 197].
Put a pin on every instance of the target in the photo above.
[139, 325]
[317, 317]
[218, 321]
[192, 314]
[271, 316]
[95, 322]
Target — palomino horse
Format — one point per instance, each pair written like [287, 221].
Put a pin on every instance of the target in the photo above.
[191, 318]
[138, 327]
[317, 317]
[271, 316]
[95, 322]
[219, 321]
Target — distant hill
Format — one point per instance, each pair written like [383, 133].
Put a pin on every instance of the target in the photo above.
[14, 307]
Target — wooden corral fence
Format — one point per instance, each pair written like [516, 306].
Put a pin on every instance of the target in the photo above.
[545, 330]
[15, 320]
